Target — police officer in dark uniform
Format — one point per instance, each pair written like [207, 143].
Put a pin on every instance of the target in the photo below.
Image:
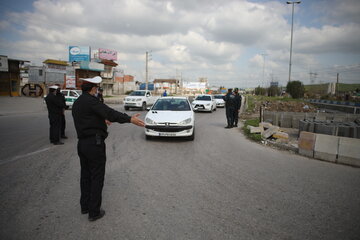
[237, 106]
[230, 106]
[55, 108]
[63, 121]
[91, 118]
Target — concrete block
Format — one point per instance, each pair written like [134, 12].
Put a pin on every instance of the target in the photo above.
[307, 143]
[303, 126]
[286, 120]
[275, 119]
[256, 129]
[326, 147]
[295, 120]
[268, 116]
[349, 151]
[324, 128]
[270, 131]
[320, 116]
[265, 125]
[281, 135]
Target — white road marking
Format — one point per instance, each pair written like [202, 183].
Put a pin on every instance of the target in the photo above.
[24, 155]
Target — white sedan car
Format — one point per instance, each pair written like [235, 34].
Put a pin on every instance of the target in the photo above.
[170, 117]
[205, 102]
[219, 100]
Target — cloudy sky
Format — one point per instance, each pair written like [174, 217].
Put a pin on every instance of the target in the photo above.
[242, 43]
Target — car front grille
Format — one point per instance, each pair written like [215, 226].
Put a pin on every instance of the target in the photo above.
[168, 128]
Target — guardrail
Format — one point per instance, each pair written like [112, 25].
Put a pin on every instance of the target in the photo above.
[333, 104]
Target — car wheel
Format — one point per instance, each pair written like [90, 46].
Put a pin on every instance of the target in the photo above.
[215, 109]
[126, 108]
[143, 106]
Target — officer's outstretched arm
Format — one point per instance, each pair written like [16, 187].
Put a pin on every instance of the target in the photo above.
[137, 121]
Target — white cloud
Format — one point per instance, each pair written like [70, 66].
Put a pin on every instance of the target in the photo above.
[220, 39]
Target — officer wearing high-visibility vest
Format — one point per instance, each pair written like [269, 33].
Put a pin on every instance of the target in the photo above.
[55, 108]
[91, 117]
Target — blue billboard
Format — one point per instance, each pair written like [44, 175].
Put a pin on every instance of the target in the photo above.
[150, 86]
[79, 53]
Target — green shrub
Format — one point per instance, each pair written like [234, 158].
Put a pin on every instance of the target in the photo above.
[253, 136]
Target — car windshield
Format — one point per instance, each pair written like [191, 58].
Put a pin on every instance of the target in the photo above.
[78, 91]
[203, 98]
[137, 93]
[171, 105]
[218, 96]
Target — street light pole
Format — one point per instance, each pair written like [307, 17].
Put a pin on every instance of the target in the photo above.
[292, 26]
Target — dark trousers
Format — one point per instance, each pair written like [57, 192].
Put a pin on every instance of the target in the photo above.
[63, 125]
[236, 116]
[55, 124]
[230, 115]
[92, 160]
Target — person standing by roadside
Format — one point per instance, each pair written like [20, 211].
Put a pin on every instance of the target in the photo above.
[237, 106]
[63, 121]
[91, 118]
[229, 99]
[55, 108]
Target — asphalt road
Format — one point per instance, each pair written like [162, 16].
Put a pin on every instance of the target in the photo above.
[220, 186]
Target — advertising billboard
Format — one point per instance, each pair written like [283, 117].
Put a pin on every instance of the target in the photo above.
[79, 53]
[107, 54]
[70, 81]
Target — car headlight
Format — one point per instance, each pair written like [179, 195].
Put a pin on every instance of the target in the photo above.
[185, 122]
[149, 121]
[138, 99]
[208, 105]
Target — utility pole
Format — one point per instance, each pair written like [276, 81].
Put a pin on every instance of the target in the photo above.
[337, 85]
[292, 26]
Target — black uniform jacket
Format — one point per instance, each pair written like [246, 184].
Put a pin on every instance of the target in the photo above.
[54, 104]
[229, 99]
[89, 116]
[238, 101]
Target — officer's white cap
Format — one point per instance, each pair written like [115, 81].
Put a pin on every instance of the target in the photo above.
[95, 80]
[54, 87]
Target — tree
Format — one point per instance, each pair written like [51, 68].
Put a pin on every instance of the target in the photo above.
[273, 91]
[260, 91]
[296, 89]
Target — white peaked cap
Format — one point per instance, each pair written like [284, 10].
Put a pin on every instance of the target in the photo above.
[54, 87]
[96, 79]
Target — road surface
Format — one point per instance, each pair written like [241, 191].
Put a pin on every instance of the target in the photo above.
[219, 186]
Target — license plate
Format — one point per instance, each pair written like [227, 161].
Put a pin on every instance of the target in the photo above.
[167, 134]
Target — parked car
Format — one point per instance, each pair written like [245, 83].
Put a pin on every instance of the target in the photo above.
[205, 102]
[70, 96]
[219, 100]
[170, 117]
[139, 99]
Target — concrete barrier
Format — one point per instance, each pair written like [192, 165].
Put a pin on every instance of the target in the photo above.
[349, 151]
[307, 143]
[326, 147]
